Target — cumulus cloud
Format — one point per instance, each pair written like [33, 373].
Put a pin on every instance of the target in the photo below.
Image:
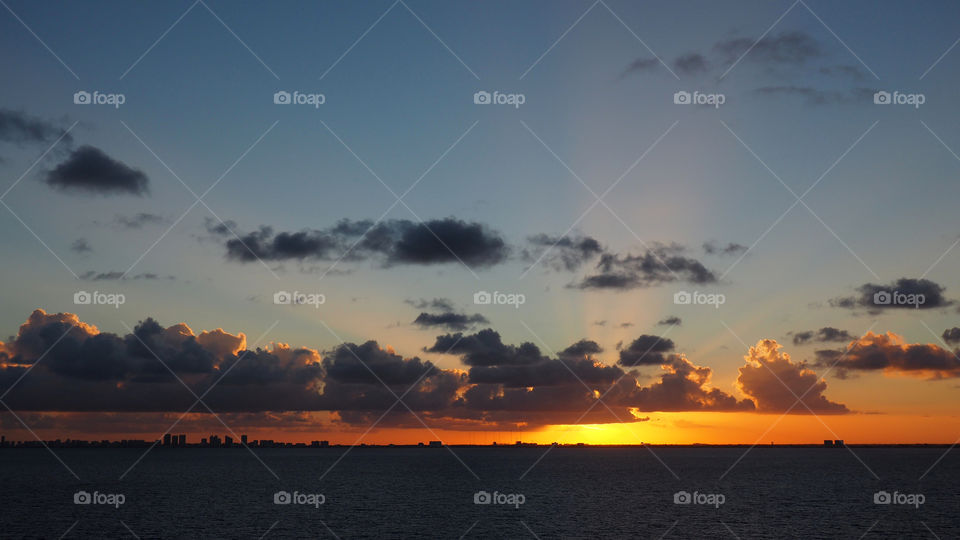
[904, 293]
[775, 383]
[658, 265]
[952, 335]
[646, 350]
[890, 354]
[89, 170]
[449, 320]
[395, 242]
[826, 334]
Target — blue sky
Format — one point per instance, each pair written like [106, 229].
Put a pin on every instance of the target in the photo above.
[200, 98]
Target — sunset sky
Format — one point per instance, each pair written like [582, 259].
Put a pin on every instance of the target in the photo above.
[798, 199]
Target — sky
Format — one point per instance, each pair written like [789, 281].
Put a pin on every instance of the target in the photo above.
[775, 261]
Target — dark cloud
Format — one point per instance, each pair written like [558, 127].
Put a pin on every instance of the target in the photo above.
[89, 169]
[115, 275]
[904, 293]
[19, 128]
[732, 248]
[562, 253]
[435, 241]
[449, 320]
[670, 321]
[891, 354]
[826, 334]
[783, 48]
[775, 383]
[81, 245]
[691, 63]
[952, 335]
[485, 348]
[658, 265]
[640, 64]
[443, 304]
[646, 350]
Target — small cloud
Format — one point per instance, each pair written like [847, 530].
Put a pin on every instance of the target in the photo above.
[138, 221]
[732, 248]
[449, 320]
[691, 63]
[827, 334]
[80, 245]
[670, 321]
[89, 169]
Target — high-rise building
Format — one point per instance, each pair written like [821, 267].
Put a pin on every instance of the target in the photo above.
[227, 441]
[166, 439]
[243, 440]
[181, 440]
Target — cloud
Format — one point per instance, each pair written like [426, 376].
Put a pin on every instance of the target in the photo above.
[80, 245]
[89, 169]
[732, 248]
[824, 335]
[899, 294]
[775, 383]
[640, 64]
[691, 63]
[658, 265]
[443, 304]
[670, 321]
[138, 221]
[952, 335]
[20, 128]
[646, 350]
[395, 242]
[784, 48]
[890, 354]
[683, 387]
[485, 348]
[449, 320]
[116, 275]
[562, 253]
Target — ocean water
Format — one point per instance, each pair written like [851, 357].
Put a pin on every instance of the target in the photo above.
[566, 492]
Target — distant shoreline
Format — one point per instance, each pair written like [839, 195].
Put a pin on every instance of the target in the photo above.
[146, 444]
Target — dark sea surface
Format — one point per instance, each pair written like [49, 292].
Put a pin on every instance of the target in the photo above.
[429, 493]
